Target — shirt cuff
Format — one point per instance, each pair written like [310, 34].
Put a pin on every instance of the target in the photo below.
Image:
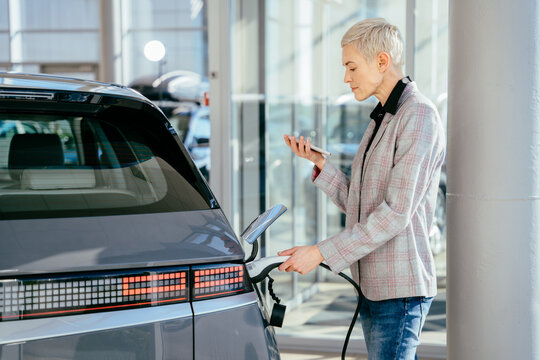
[316, 171]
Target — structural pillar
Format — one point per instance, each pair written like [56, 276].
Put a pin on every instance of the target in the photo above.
[219, 70]
[493, 260]
[107, 46]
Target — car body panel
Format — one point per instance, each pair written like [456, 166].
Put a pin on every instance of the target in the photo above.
[113, 242]
[12, 332]
[229, 328]
[255, 340]
[170, 339]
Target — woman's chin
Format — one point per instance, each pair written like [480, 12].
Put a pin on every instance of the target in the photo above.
[360, 97]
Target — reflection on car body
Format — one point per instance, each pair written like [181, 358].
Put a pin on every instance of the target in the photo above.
[113, 244]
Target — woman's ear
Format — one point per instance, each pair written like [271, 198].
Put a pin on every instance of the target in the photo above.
[383, 61]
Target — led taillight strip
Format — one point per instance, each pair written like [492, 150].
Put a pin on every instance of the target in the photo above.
[149, 284]
[214, 281]
[29, 298]
[38, 297]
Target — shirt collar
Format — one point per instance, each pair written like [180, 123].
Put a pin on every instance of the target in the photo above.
[391, 104]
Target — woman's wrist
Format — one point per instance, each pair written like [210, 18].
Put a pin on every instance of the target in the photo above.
[320, 164]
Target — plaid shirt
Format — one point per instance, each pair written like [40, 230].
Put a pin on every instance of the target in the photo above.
[390, 205]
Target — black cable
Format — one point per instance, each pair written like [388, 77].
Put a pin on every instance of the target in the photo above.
[271, 289]
[254, 251]
[355, 316]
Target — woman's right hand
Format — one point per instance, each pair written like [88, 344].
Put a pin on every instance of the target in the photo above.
[302, 149]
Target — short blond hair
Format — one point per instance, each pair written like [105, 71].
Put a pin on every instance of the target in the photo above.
[372, 36]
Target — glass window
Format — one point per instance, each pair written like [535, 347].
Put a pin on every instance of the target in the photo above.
[298, 77]
[116, 163]
[298, 73]
[177, 83]
[431, 73]
[179, 25]
[4, 15]
[42, 33]
[4, 32]
[57, 14]
[56, 47]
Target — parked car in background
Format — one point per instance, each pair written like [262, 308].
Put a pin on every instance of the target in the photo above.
[178, 85]
[180, 95]
[113, 245]
[192, 123]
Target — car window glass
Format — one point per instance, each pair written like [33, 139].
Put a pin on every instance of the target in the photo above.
[56, 166]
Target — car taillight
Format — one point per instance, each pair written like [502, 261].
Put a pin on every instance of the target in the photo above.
[35, 297]
[212, 281]
[52, 296]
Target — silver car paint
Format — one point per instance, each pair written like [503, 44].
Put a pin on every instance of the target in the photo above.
[114, 242]
[226, 328]
[172, 339]
[240, 333]
[34, 329]
[12, 332]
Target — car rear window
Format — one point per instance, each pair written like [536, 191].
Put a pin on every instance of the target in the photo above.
[118, 162]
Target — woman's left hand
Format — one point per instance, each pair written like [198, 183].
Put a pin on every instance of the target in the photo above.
[302, 259]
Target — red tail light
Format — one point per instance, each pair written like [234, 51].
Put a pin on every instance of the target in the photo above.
[219, 280]
[35, 297]
[53, 296]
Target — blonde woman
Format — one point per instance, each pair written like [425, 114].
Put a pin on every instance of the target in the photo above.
[389, 199]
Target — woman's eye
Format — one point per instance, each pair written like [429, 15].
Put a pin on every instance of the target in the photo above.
[352, 69]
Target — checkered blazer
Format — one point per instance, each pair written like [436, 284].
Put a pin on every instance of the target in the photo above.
[390, 205]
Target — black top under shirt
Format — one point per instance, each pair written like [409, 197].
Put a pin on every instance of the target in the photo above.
[390, 106]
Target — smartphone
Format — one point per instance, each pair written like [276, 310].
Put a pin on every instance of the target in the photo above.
[315, 148]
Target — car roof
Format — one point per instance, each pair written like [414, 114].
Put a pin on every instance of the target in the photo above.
[59, 83]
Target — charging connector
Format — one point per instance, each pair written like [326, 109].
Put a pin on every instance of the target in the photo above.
[259, 269]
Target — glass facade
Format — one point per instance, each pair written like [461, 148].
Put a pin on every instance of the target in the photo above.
[431, 74]
[38, 36]
[287, 78]
[179, 25]
[300, 91]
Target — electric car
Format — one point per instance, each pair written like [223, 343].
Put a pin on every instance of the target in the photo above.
[113, 245]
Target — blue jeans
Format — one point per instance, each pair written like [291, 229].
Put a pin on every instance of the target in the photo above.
[392, 327]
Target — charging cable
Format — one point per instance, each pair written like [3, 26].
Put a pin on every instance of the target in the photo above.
[258, 270]
[355, 316]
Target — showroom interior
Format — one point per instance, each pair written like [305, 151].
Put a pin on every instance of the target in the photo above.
[253, 70]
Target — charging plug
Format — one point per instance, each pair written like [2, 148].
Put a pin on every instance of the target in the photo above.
[278, 315]
[258, 269]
